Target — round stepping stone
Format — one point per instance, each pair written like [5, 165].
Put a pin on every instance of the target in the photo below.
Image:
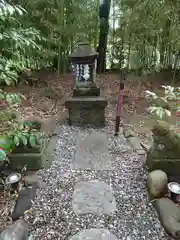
[94, 234]
[93, 197]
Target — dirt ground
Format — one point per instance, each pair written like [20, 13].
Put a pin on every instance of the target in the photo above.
[47, 98]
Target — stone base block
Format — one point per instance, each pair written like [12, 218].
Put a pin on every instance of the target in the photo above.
[33, 161]
[86, 92]
[169, 166]
[86, 111]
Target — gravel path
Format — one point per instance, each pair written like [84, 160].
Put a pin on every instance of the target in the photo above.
[53, 216]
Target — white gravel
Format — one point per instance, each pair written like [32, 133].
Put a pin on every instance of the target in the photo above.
[52, 216]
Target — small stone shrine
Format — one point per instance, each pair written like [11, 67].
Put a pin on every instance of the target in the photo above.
[86, 106]
[165, 151]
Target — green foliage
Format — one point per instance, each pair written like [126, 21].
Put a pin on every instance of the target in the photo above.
[63, 23]
[32, 124]
[17, 44]
[170, 93]
[25, 136]
[18, 49]
[143, 34]
[6, 143]
[11, 98]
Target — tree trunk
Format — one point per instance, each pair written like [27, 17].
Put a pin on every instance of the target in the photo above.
[164, 43]
[104, 10]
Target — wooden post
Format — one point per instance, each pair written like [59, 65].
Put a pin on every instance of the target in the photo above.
[119, 107]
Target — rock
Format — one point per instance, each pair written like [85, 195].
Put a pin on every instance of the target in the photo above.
[169, 215]
[128, 132]
[18, 231]
[94, 234]
[93, 197]
[136, 145]
[157, 182]
[31, 179]
[24, 201]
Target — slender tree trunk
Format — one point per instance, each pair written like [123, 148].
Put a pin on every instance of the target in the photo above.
[129, 52]
[97, 26]
[164, 39]
[104, 29]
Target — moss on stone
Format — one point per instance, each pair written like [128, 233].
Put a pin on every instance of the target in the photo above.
[164, 134]
[161, 128]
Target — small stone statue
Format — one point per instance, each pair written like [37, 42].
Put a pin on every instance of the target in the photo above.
[165, 151]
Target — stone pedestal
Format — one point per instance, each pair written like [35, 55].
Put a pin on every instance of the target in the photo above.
[86, 92]
[86, 110]
[155, 160]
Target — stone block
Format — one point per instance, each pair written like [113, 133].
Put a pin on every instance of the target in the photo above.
[93, 197]
[19, 160]
[92, 152]
[18, 231]
[86, 111]
[169, 166]
[33, 161]
[94, 234]
[86, 92]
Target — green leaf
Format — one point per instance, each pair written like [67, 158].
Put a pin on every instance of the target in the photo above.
[161, 114]
[23, 140]
[32, 140]
[2, 155]
[7, 81]
[34, 130]
[16, 140]
[21, 126]
[39, 141]
[25, 131]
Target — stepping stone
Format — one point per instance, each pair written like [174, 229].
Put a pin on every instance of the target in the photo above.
[94, 234]
[93, 197]
[18, 231]
[24, 201]
[136, 145]
[92, 152]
